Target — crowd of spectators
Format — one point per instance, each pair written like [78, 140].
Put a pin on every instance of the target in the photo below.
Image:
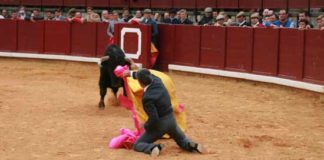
[267, 18]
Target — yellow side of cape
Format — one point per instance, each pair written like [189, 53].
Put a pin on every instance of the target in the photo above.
[136, 93]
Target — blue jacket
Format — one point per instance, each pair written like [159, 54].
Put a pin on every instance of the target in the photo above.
[153, 24]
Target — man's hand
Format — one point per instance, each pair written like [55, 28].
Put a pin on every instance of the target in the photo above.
[126, 73]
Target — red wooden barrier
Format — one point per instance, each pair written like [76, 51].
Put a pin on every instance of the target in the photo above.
[74, 3]
[83, 39]
[52, 2]
[102, 38]
[280, 4]
[265, 51]
[184, 4]
[314, 56]
[227, 4]
[291, 53]
[31, 2]
[249, 4]
[139, 4]
[118, 3]
[206, 3]
[298, 3]
[57, 37]
[239, 49]
[10, 2]
[316, 3]
[166, 39]
[161, 4]
[132, 34]
[213, 47]
[98, 3]
[187, 52]
[8, 32]
[31, 36]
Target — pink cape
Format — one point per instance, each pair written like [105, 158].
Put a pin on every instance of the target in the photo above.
[127, 138]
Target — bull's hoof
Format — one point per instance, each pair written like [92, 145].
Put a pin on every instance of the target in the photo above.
[101, 105]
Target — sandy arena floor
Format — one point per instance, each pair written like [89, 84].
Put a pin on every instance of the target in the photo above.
[48, 110]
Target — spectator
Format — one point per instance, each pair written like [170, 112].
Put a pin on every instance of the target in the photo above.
[92, 16]
[271, 21]
[207, 18]
[220, 21]
[284, 20]
[215, 14]
[36, 16]
[166, 18]
[49, 15]
[138, 16]
[5, 14]
[112, 22]
[303, 24]
[105, 16]
[157, 17]
[148, 20]
[126, 16]
[255, 20]
[14, 16]
[318, 22]
[184, 17]
[22, 13]
[58, 16]
[304, 16]
[240, 20]
[77, 18]
[173, 17]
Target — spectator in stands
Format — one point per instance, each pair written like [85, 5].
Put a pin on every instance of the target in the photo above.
[105, 16]
[271, 20]
[112, 22]
[241, 20]
[58, 16]
[22, 13]
[215, 14]
[126, 16]
[166, 18]
[138, 16]
[284, 20]
[303, 24]
[220, 21]
[49, 15]
[5, 14]
[92, 16]
[157, 17]
[149, 20]
[303, 15]
[14, 16]
[184, 17]
[77, 18]
[318, 22]
[255, 20]
[173, 17]
[36, 16]
[208, 17]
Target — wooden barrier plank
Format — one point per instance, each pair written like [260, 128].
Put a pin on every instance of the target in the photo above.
[57, 37]
[31, 36]
[8, 32]
[84, 39]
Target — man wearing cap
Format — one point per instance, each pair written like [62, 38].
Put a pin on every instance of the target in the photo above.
[255, 20]
[184, 17]
[150, 21]
[220, 20]
[161, 119]
[241, 22]
[207, 18]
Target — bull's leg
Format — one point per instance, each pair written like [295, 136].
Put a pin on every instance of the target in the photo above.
[103, 92]
[115, 90]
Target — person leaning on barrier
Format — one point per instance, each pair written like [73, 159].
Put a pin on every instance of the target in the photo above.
[241, 20]
[150, 21]
[112, 22]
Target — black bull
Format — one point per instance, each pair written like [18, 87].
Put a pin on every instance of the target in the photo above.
[107, 77]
